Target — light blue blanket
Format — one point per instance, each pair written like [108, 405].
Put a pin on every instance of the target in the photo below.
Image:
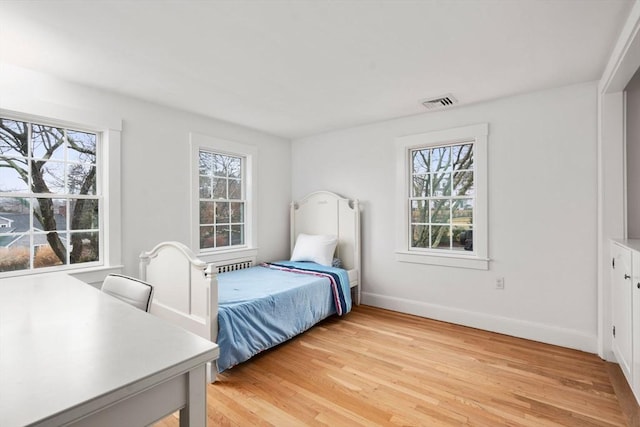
[261, 307]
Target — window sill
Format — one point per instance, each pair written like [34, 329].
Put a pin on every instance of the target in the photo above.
[445, 260]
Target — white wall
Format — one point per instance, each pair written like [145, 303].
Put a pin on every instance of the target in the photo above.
[155, 163]
[542, 215]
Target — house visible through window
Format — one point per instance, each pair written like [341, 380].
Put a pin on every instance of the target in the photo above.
[222, 201]
[50, 202]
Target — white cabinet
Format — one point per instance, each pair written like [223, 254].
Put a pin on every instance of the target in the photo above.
[625, 296]
[622, 313]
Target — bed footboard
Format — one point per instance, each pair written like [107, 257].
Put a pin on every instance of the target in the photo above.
[185, 290]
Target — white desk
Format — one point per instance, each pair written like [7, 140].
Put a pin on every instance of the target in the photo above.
[70, 354]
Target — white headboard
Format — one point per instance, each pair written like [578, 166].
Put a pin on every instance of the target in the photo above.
[324, 212]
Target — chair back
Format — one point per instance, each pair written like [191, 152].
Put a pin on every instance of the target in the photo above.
[130, 290]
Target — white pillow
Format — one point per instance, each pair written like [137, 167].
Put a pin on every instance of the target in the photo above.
[316, 248]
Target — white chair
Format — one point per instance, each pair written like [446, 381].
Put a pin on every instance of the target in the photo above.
[130, 290]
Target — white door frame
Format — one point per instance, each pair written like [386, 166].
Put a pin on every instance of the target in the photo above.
[622, 65]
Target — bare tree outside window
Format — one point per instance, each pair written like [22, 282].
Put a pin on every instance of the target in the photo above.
[441, 202]
[222, 204]
[49, 202]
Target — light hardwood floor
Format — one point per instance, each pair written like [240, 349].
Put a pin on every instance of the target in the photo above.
[377, 367]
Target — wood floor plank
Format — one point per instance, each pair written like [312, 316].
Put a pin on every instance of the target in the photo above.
[375, 367]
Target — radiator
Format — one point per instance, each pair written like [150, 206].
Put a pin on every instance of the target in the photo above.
[238, 265]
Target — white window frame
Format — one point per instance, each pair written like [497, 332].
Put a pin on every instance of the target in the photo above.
[249, 153]
[109, 129]
[479, 257]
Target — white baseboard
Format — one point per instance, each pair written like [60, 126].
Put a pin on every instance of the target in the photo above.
[518, 328]
[610, 357]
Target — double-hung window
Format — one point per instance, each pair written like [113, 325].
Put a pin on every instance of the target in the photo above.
[441, 199]
[221, 199]
[51, 201]
[224, 190]
[443, 207]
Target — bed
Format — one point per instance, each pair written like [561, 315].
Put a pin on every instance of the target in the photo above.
[246, 307]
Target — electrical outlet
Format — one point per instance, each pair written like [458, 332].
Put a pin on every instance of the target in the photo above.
[500, 283]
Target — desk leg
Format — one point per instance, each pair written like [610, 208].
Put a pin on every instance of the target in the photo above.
[195, 413]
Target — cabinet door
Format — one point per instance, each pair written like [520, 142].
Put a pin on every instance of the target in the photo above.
[622, 301]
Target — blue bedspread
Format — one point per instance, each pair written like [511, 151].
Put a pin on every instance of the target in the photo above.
[261, 307]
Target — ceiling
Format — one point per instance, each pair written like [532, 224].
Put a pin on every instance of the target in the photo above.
[298, 68]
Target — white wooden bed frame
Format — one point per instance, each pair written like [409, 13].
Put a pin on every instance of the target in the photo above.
[186, 288]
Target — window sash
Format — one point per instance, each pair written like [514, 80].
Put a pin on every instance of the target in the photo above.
[432, 167]
[62, 158]
[230, 231]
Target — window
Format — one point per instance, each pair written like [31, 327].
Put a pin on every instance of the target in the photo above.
[50, 202]
[443, 213]
[224, 190]
[441, 199]
[222, 202]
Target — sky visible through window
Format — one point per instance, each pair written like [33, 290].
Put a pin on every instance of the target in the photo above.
[49, 201]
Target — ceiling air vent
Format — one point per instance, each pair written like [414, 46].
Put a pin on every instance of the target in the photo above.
[439, 102]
